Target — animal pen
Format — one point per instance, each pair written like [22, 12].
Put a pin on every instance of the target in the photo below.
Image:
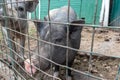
[97, 58]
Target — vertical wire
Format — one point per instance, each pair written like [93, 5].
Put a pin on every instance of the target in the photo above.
[29, 46]
[18, 50]
[20, 46]
[2, 51]
[38, 50]
[28, 41]
[11, 4]
[50, 37]
[20, 27]
[9, 41]
[4, 7]
[1, 47]
[67, 41]
[3, 37]
[13, 25]
[93, 35]
[80, 9]
[38, 43]
[21, 36]
[12, 14]
[15, 32]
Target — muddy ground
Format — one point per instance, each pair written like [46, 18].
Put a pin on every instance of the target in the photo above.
[106, 42]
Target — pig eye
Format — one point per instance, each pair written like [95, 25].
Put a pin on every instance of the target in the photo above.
[20, 8]
[59, 40]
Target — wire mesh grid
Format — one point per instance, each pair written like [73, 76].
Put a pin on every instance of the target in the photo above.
[15, 54]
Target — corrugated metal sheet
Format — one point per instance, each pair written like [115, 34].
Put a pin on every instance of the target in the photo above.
[83, 8]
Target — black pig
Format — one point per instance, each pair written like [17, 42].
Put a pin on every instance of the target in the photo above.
[57, 34]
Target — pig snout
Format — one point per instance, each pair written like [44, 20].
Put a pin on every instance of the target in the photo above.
[30, 68]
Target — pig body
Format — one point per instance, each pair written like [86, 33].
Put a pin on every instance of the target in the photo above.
[57, 33]
[16, 9]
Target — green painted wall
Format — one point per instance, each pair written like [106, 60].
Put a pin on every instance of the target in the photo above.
[83, 8]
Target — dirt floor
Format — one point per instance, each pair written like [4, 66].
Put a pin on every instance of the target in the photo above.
[106, 42]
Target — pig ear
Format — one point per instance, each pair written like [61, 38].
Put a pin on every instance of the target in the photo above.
[31, 5]
[74, 28]
[39, 25]
[37, 22]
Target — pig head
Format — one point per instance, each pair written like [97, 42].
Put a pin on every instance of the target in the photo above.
[57, 34]
[12, 12]
[17, 8]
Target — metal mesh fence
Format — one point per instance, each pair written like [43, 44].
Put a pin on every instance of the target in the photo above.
[33, 49]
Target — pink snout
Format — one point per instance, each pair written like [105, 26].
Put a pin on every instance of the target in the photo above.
[30, 68]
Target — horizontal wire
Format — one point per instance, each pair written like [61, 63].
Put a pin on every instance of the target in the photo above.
[60, 45]
[15, 62]
[59, 64]
[50, 42]
[11, 69]
[87, 74]
[34, 66]
[86, 25]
